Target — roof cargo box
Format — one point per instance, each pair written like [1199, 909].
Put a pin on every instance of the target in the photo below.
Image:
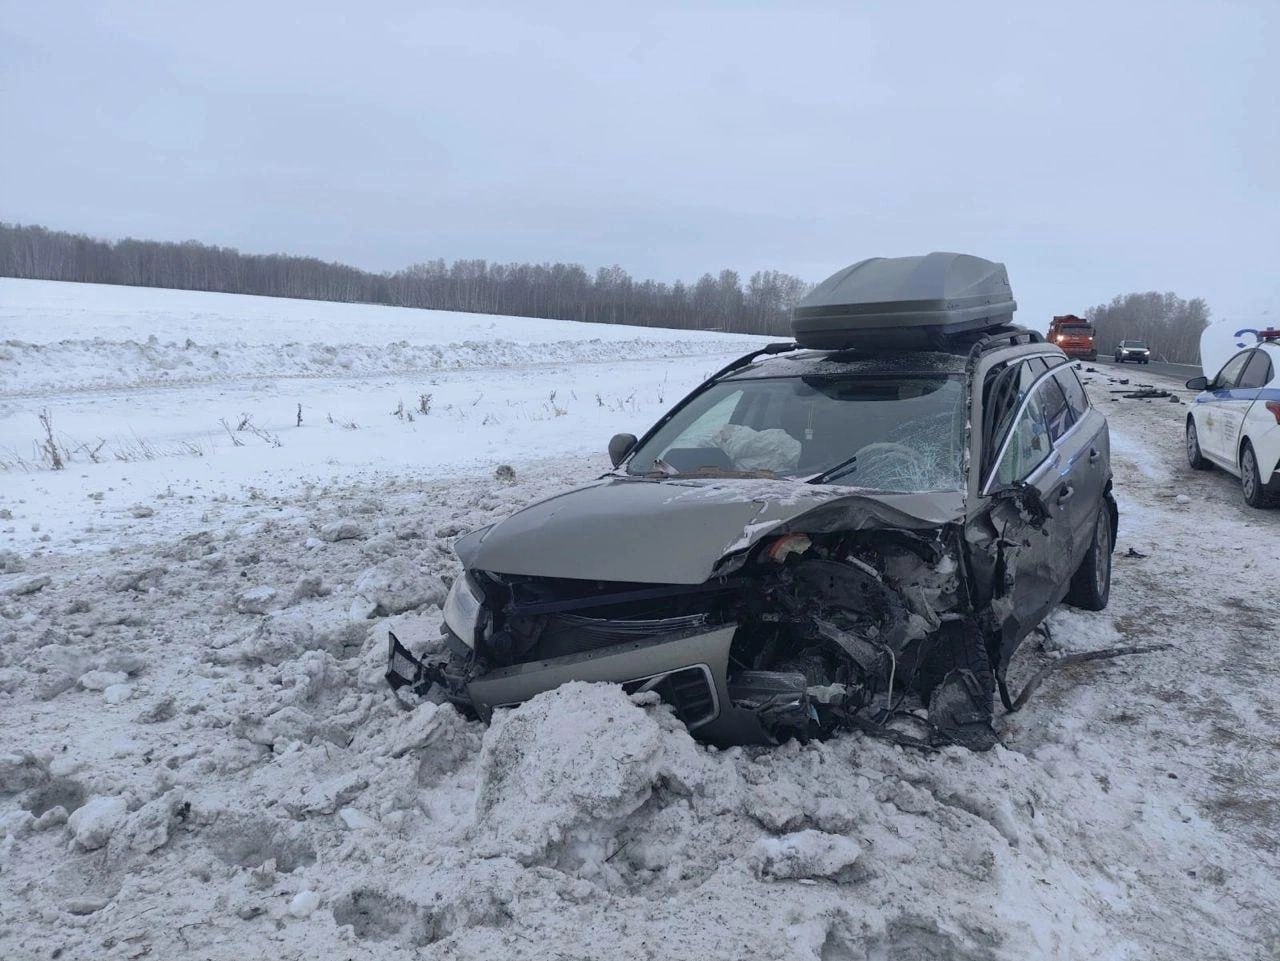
[907, 303]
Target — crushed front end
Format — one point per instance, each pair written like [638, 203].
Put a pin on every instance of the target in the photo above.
[802, 634]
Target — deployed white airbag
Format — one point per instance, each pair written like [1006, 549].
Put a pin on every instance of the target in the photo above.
[772, 449]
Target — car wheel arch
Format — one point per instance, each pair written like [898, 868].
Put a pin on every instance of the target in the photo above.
[1109, 500]
[1253, 485]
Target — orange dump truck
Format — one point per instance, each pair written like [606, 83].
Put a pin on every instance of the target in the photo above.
[1074, 335]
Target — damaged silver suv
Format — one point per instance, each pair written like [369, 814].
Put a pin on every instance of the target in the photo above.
[855, 529]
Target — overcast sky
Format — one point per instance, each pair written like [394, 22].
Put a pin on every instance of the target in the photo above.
[1094, 149]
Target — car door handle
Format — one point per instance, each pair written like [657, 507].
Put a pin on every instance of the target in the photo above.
[1094, 454]
[1065, 494]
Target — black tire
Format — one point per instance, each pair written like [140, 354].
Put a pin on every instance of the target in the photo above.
[1255, 492]
[956, 647]
[952, 674]
[1194, 457]
[1091, 585]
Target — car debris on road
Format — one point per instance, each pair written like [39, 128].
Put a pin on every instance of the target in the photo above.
[1144, 392]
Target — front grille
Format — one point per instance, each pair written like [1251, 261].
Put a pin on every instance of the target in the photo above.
[620, 629]
[690, 691]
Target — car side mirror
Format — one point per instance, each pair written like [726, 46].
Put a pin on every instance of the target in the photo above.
[1198, 383]
[620, 445]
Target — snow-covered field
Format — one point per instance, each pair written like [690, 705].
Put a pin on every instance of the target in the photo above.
[193, 398]
[198, 758]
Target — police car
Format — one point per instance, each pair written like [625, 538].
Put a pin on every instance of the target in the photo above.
[1234, 422]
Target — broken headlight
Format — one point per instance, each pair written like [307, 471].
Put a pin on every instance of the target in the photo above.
[464, 610]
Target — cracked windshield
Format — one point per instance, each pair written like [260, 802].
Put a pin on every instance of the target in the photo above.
[901, 434]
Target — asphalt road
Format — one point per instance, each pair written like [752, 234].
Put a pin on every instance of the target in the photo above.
[1181, 371]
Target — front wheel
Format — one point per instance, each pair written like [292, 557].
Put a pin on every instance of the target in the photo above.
[1255, 494]
[1091, 586]
[952, 672]
[1194, 457]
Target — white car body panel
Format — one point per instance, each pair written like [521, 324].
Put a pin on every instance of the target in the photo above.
[1227, 417]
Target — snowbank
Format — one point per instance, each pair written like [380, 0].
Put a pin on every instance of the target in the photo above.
[35, 368]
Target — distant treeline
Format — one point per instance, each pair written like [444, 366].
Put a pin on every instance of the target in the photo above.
[1168, 324]
[561, 291]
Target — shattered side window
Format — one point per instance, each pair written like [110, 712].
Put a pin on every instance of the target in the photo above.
[1002, 393]
[1029, 443]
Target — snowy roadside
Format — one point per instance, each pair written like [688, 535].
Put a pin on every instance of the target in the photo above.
[182, 453]
[207, 698]
[180, 405]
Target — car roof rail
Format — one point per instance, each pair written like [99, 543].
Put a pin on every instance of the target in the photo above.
[779, 347]
[978, 342]
[1009, 336]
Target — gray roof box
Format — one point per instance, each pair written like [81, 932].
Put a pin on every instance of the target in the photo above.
[909, 303]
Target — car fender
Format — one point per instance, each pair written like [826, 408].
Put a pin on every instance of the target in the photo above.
[1262, 432]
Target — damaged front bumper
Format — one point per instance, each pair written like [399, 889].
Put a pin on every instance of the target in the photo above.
[687, 670]
[813, 633]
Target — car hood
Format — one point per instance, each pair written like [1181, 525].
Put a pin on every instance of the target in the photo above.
[678, 531]
[1220, 342]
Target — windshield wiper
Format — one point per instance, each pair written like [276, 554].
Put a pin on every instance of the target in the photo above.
[847, 466]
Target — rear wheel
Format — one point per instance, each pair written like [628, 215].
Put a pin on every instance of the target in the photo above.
[1255, 494]
[1194, 457]
[1091, 586]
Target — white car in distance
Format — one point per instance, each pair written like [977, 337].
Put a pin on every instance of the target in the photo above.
[1234, 422]
[1133, 350]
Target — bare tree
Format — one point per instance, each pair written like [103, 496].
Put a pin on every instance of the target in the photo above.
[1168, 324]
[562, 291]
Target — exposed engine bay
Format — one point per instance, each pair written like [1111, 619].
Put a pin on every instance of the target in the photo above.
[810, 632]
